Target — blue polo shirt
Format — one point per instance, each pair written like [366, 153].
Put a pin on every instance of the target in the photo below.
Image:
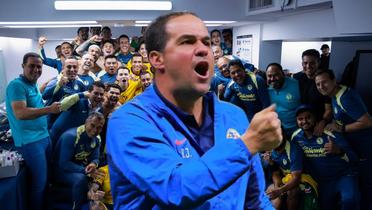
[25, 131]
[287, 99]
[204, 134]
[308, 154]
[124, 59]
[348, 107]
[108, 78]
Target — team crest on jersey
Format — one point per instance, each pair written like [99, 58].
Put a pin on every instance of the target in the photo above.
[335, 110]
[76, 87]
[289, 96]
[249, 87]
[285, 162]
[93, 144]
[86, 82]
[319, 140]
[232, 134]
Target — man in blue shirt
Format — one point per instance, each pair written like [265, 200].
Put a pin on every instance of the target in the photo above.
[76, 157]
[246, 90]
[111, 68]
[85, 70]
[331, 168]
[285, 93]
[124, 55]
[351, 117]
[221, 78]
[178, 146]
[26, 110]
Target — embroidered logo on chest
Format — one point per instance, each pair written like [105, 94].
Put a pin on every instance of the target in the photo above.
[232, 134]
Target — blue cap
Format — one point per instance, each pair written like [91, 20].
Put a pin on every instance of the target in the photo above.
[303, 108]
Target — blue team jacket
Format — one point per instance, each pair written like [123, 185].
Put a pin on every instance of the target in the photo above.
[154, 165]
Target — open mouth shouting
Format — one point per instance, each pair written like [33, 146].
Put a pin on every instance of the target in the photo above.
[202, 69]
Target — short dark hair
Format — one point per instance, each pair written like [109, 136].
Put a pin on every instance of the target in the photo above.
[276, 65]
[123, 36]
[106, 28]
[156, 35]
[136, 54]
[112, 85]
[110, 56]
[143, 73]
[236, 62]
[311, 52]
[324, 46]
[108, 41]
[82, 28]
[30, 55]
[215, 30]
[68, 43]
[96, 84]
[58, 46]
[227, 30]
[330, 73]
[95, 114]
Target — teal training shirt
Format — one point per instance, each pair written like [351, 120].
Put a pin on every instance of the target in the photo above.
[25, 131]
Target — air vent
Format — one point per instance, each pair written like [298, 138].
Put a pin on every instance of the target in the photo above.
[260, 4]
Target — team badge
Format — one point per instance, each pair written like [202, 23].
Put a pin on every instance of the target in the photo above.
[232, 134]
[289, 96]
[93, 144]
[319, 140]
[335, 110]
[285, 162]
[249, 87]
[76, 87]
[86, 83]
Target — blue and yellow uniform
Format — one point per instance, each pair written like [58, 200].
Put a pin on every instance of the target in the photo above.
[333, 173]
[54, 92]
[88, 79]
[124, 59]
[76, 109]
[151, 153]
[218, 79]
[348, 107]
[54, 63]
[74, 151]
[252, 96]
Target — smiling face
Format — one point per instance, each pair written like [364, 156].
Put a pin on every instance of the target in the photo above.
[146, 80]
[93, 126]
[306, 120]
[186, 63]
[124, 45]
[108, 49]
[66, 50]
[111, 65]
[237, 74]
[70, 68]
[136, 65]
[325, 85]
[87, 62]
[32, 69]
[309, 65]
[275, 77]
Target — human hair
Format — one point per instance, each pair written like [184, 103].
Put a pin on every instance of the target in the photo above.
[311, 52]
[215, 30]
[108, 41]
[136, 54]
[58, 46]
[110, 56]
[82, 28]
[123, 67]
[144, 73]
[123, 36]
[68, 43]
[96, 84]
[156, 35]
[324, 46]
[330, 73]
[106, 28]
[276, 65]
[112, 85]
[95, 114]
[227, 30]
[236, 62]
[30, 55]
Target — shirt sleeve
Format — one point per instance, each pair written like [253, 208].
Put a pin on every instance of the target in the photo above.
[16, 92]
[296, 156]
[48, 61]
[354, 105]
[66, 154]
[137, 148]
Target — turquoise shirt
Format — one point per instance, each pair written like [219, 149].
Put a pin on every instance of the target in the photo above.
[25, 131]
[287, 99]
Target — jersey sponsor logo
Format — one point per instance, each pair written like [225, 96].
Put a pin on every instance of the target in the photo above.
[247, 97]
[285, 162]
[319, 140]
[232, 134]
[180, 142]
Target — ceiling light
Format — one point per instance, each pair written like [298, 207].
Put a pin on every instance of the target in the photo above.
[140, 24]
[212, 25]
[218, 22]
[47, 22]
[143, 21]
[113, 5]
[48, 26]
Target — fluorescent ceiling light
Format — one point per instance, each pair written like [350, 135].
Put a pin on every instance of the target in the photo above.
[48, 22]
[48, 26]
[143, 21]
[140, 24]
[212, 25]
[113, 5]
[218, 22]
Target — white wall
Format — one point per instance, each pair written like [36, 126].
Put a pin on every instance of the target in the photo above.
[292, 51]
[255, 31]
